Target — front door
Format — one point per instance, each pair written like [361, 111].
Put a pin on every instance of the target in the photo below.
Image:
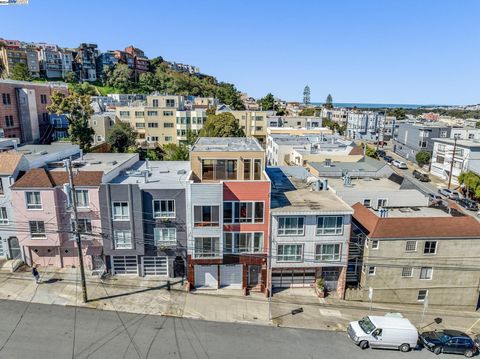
[14, 248]
[254, 275]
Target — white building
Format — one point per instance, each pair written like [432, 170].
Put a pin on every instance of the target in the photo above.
[365, 125]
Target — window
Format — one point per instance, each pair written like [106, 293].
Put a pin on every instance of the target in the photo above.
[120, 211]
[371, 270]
[124, 113]
[152, 125]
[289, 253]
[3, 215]
[241, 242]
[375, 244]
[9, 121]
[243, 212]
[84, 225]
[407, 272]
[139, 125]
[139, 113]
[152, 113]
[81, 195]
[443, 134]
[422, 144]
[411, 246]
[168, 139]
[329, 225]
[1, 187]
[426, 272]
[34, 200]
[206, 216]
[228, 212]
[219, 169]
[37, 229]
[247, 171]
[422, 294]
[165, 236]
[122, 240]
[290, 226]
[168, 124]
[170, 102]
[381, 202]
[155, 102]
[206, 247]
[328, 252]
[167, 113]
[94, 122]
[430, 247]
[6, 99]
[367, 202]
[164, 208]
[257, 169]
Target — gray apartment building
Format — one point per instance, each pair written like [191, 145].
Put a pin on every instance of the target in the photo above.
[143, 213]
[365, 125]
[411, 138]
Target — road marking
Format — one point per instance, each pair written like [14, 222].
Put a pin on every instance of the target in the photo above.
[474, 324]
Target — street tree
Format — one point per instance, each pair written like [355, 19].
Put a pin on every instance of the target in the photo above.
[78, 111]
[221, 125]
[471, 182]
[20, 72]
[121, 137]
[423, 158]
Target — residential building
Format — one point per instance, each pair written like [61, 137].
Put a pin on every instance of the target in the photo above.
[411, 255]
[249, 102]
[368, 167]
[229, 214]
[23, 109]
[32, 59]
[85, 66]
[189, 120]
[11, 54]
[102, 124]
[411, 138]
[144, 213]
[184, 68]
[466, 158]
[338, 115]
[54, 62]
[104, 61]
[465, 133]
[365, 125]
[310, 231]
[253, 123]
[42, 199]
[299, 122]
[134, 58]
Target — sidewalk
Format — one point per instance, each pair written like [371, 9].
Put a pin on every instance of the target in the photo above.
[150, 296]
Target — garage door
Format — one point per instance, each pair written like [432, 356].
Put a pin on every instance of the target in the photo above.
[155, 266]
[124, 265]
[293, 278]
[231, 276]
[206, 277]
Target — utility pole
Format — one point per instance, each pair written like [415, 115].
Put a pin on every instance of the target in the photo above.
[269, 275]
[453, 160]
[68, 165]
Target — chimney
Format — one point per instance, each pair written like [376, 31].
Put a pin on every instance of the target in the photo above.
[146, 176]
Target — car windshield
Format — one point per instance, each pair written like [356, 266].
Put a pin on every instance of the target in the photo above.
[441, 336]
[366, 325]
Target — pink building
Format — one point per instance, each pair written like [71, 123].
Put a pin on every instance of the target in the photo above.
[44, 217]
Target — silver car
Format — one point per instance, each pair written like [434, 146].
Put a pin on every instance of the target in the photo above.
[449, 193]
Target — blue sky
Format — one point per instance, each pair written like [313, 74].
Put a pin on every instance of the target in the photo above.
[374, 51]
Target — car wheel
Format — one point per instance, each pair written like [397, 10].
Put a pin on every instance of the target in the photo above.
[469, 353]
[437, 350]
[363, 344]
[404, 348]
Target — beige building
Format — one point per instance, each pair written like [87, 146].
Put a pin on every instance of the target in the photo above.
[411, 254]
[101, 123]
[10, 56]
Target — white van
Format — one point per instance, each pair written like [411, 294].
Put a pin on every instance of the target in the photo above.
[383, 332]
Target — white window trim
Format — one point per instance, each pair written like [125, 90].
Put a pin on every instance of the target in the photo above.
[215, 255]
[169, 214]
[416, 246]
[328, 261]
[318, 230]
[426, 295]
[302, 245]
[407, 276]
[88, 197]
[115, 246]
[430, 254]
[382, 199]
[378, 245]
[431, 273]
[374, 271]
[290, 235]
[251, 249]
[367, 199]
[4, 221]
[159, 242]
[41, 203]
[220, 217]
[113, 212]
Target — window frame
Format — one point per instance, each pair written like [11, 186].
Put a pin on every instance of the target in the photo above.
[235, 242]
[403, 272]
[283, 233]
[280, 257]
[320, 231]
[122, 218]
[424, 296]
[157, 239]
[319, 255]
[87, 197]
[425, 247]
[4, 221]
[374, 271]
[169, 214]
[236, 206]
[214, 252]
[429, 270]
[369, 202]
[202, 224]
[41, 235]
[115, 238]
[406, 246]
[38, 206]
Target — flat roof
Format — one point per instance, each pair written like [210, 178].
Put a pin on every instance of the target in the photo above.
[104, 162]
[366, 165]
[365, 183]
[36, 151]
[40, 84]
[160, 174]
[413, 212]
[292, 191]
[227, 144]
[461, 143]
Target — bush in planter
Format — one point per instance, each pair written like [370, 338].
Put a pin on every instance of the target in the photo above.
[321, 284]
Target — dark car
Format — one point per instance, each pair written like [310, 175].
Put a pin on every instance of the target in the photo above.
[422, 177]
[449, 341]
[468, 204]
[388, 159]
[381, 153]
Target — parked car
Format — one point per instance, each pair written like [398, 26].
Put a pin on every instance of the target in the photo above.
[449, 193]
[388, 159]
[469, 204]
[434, 197]
[422, 177]
[400, 164]
[450, 342]
[381, 153]
[383, 332]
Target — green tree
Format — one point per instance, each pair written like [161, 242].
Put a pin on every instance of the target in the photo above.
[370, 151]
[21, 72]
[267, 102]
[191, 137]
[84, 89]
[329, 102]
[121, 137]
[70, 77]
[423, 158]
[221, 125]
[310, 111]
[155, 62]
[120, 77]
[399, 113]
[471, 181]
[78, 111]
[477, 124]
[173, 152]
[306, 95]
[152, 155]
[148, 82]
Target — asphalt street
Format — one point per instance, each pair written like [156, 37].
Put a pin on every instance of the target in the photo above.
[51, 332]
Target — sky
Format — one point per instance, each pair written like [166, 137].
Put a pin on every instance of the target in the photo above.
[363, 51]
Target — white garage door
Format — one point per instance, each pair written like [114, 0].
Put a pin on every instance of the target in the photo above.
[231, 276]
[206, 277]
[292, 278]
[124, 265]
[155, 266]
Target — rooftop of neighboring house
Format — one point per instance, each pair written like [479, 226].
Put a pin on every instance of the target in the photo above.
[366, 165]
[38, 84]
[295, 190]
[156, 174]
[227, 144]
[40, 155]
[9, 162]
[419, 222]
[460, 143]
[422, 124]
[324, 140]
[365, 183]
[42, 178]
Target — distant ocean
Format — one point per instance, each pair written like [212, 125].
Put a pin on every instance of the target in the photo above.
[376, 105]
